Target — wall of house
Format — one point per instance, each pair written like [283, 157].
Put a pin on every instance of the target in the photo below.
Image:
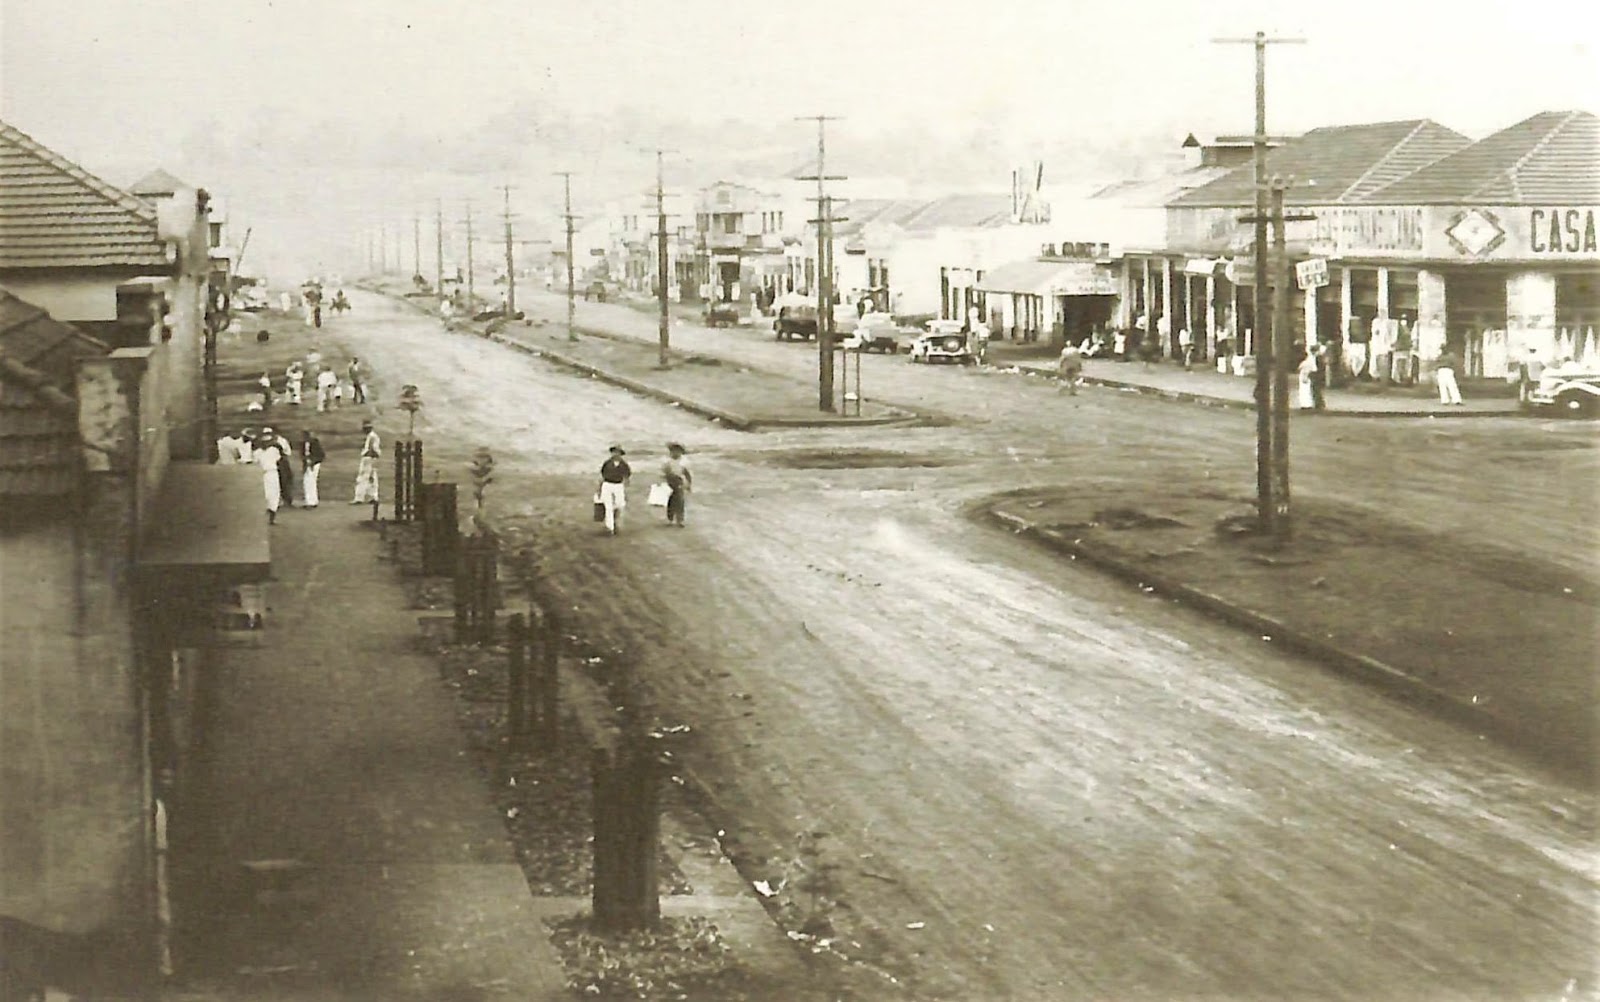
[68, 297]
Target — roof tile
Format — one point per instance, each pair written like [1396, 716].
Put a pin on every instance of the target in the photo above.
[54, 214]
[1551, 157]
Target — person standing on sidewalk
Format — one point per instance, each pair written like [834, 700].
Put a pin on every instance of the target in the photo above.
[676, 473]
[294, 378]
[358, 389]
[367, 468]
[1529, 372]
[266, 458]
[614, 475]
[1186, 348]
[1444, 374]
[311, 457]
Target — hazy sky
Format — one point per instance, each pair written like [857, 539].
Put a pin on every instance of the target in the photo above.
[82, 76]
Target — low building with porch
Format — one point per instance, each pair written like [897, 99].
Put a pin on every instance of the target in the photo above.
[739, 244]
[1206, 272]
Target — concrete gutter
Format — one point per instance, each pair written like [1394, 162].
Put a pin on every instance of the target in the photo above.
[1369, 669]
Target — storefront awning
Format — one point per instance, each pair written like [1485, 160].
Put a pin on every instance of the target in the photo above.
[208, 522]
[1200, 266]
[1051, 278]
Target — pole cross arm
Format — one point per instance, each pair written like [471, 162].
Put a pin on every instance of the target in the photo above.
[822, 177]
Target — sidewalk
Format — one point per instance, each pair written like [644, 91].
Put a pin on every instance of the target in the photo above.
[338, 843]
[1205, 385]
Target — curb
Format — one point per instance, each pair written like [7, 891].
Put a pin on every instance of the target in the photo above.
[1207, 400]
[739, 422]
[1361, 666]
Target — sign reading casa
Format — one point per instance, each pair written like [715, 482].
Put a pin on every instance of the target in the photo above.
[1558, 230]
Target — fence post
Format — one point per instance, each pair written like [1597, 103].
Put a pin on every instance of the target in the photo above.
[517, 680]
[441, 536]
[415, 493]
[400, 481]
[549, 677]
[463, 591]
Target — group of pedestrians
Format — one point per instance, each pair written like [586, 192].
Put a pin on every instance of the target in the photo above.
[329, 388]
[270, 451]
[672, 492]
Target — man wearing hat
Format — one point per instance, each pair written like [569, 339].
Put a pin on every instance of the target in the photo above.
[614, 474]
[285, 470]
[676, 473]
[367, 469]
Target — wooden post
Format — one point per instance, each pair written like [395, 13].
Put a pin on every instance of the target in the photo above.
[414, 493]
[463, 591]
[516, 680]
[550, 678]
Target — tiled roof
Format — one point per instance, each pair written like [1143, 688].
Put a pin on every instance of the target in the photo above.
[39, 452]
[961, 210]
[157, 182]
[1551, 158]
[1337, 163]
[54, 214]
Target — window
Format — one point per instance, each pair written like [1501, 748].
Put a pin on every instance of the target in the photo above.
[730, 222]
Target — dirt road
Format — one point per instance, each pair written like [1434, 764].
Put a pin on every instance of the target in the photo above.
[1036, 783]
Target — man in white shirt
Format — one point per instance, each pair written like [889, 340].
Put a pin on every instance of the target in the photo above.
[327, 385]
[367, 469]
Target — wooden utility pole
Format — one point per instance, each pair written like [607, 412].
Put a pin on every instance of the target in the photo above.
[438, 249]
[511, 263]
[472, 303]
[572, 306]
[383, 249]
[824, 223]
[665, 327]
[1266, 503]
[416, 244]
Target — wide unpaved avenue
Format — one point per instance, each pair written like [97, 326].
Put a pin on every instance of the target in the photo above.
[1076, 791]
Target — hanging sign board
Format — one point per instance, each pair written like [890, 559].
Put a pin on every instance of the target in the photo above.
[1312, 274]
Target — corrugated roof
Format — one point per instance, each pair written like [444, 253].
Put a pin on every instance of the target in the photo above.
[1337, 163]
[54, 214]
[39, 451]
[1551, 158]
[961, 210]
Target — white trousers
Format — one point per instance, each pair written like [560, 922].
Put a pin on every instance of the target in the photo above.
[367, 480]
[615, 498]
[1449, 392]
[272, 487]
[308, 484]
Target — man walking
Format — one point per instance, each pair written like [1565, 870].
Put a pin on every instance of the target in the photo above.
[676, 473]
[1444, 374]
[327, 382]
[266, 460]
[1528, 375]
[614, 475]
[280, 445]
[358, 390]
[1069, 368]
[311, 457]
[367, 468]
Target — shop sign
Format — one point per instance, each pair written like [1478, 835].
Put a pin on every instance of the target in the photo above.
[1077, 251]
[1514, 233]
[1085, 280]
[1381, 229]
[1312, 274]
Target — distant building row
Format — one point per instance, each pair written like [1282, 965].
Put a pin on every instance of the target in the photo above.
[1488, 246]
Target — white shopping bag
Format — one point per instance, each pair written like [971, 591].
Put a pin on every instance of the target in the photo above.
[659, 493]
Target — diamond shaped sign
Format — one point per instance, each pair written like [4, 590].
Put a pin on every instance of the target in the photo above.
[1475, 232]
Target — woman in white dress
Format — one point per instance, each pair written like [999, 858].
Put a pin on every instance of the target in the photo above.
[1308, 375]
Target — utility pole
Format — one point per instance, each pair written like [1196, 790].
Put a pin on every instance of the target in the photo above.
[511, 265]
[472, 303]
[416, 244]
[572, 306]
[438, 248]
[1266, 503]
[665, 326]
[824, 222]
[383, 249]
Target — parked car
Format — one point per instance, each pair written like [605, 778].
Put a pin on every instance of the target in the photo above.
[595, 290]
[796, 322]
[879, 332]
[944, 341]
[1568, 390]
[724, 314]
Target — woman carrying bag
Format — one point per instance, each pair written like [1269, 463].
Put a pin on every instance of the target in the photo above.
[679, 480]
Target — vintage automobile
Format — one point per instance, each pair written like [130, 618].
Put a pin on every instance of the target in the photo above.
[944, 341]
[879, 332]
[723, 314]
[796, 322]
[596, 290]
[1568, 390]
